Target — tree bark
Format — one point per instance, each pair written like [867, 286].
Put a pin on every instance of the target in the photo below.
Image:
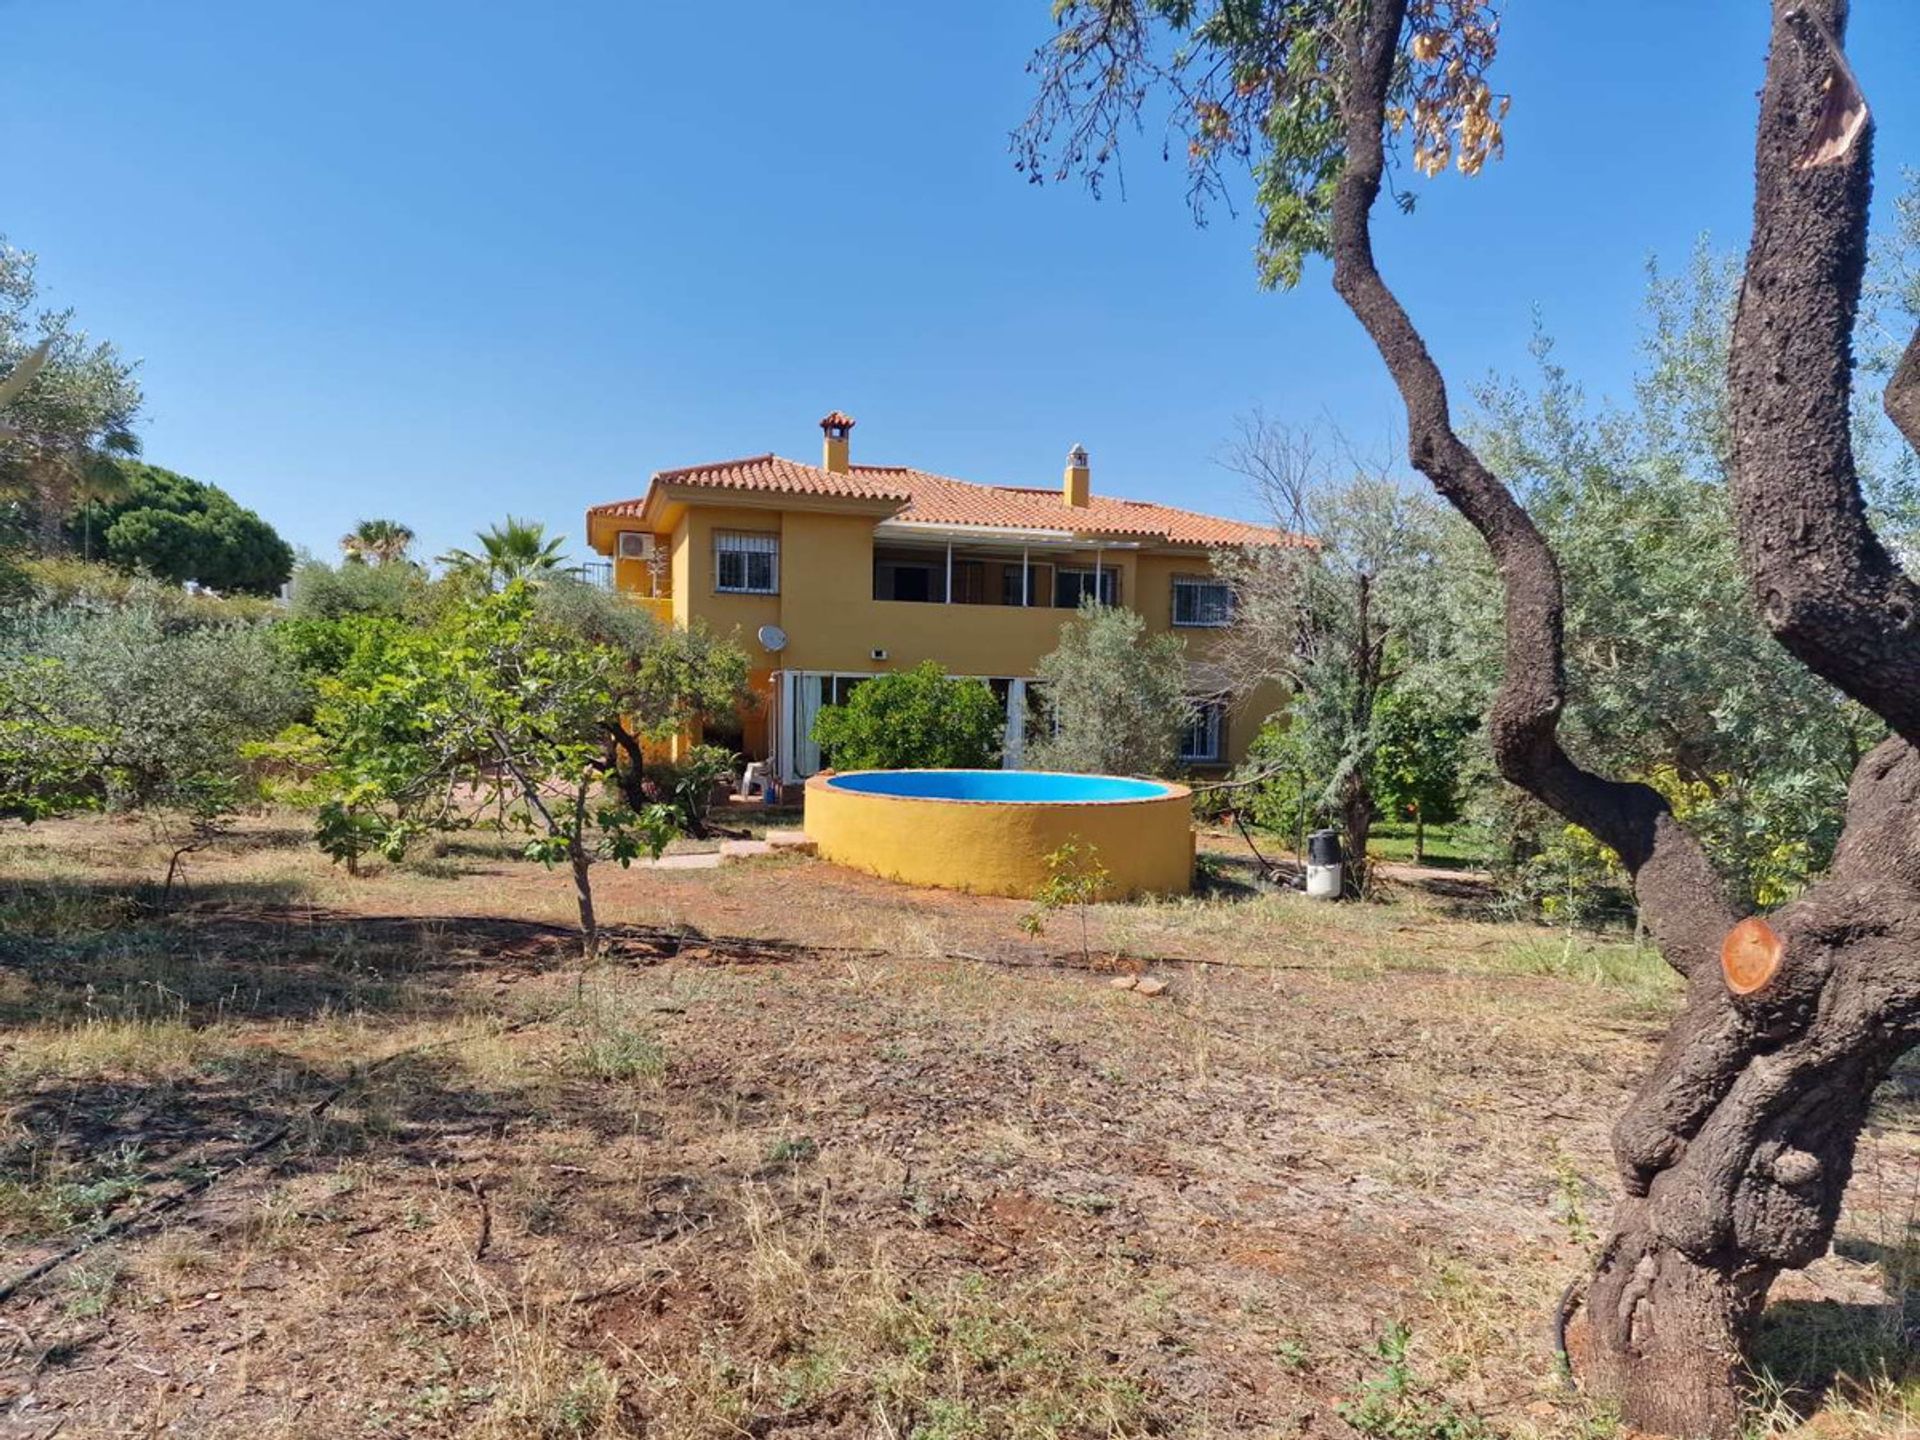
[583, 892]
[1825, 585]
[1902, 398]
[1668, 1336]
[1736, 1151]
[1356, 819]
[1682, 897]
[582, 862]
[629, 776]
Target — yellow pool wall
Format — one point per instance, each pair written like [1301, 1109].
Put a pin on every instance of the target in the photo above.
[992, 847]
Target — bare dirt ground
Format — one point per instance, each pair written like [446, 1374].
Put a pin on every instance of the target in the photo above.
[813, 1155]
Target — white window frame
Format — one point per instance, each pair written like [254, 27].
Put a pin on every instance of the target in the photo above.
[1194, 583]
[746, 543]
[1106, 584]
[1210, 720]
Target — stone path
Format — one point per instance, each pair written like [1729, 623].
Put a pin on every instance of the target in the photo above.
[735, 852]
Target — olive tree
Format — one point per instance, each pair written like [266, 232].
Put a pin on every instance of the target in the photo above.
[1672, 675]
[71, 404]
[1342, 623]
[133, 707]
[1735, 1151]
[1115, 697]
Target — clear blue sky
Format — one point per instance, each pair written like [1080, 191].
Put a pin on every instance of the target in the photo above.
[445, 261]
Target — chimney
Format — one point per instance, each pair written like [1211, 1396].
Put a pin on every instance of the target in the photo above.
[838, 429]
[1078, 487]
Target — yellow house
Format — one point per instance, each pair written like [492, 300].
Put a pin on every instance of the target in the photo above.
[830, 574]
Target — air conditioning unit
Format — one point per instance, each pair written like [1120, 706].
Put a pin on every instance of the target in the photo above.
[636, 545]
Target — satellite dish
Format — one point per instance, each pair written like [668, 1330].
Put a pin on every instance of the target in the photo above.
[773, 637]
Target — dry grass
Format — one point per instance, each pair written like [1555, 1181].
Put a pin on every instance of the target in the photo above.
[932, 1183]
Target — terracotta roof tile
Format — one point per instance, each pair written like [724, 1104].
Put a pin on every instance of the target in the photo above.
[942, 500]
[766, 473]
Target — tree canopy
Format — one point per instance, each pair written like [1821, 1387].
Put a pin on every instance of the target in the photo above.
[1256, 87]
[1671, 675]
[180, 529]
[430, 729]
[1345, 625]
[378, 542]
[330, 592]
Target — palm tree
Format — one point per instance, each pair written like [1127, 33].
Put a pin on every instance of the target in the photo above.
[379, 541]
[516, 550]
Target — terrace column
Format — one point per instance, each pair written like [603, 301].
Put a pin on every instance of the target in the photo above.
[786, 703]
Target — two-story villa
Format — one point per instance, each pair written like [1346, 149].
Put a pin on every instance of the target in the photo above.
[830, 574]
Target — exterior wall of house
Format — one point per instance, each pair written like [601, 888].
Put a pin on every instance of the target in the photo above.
[825, 606]
[1154, 600]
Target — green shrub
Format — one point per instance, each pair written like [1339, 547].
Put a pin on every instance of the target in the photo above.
[919, 719]
[688, 784]
[133, 707]
[1396, 1405]
[396, 591]
[53, 581]
[319, 647]
[1116, 696]
[1291, 798]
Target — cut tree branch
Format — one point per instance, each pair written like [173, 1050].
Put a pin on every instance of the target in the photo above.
[1679, 893]
[1902, 400]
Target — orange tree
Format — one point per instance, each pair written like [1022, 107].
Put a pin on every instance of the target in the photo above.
[493, 716]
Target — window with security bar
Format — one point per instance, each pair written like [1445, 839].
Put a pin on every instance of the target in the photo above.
[1201, 602]
[1200, 743]
[746, 562]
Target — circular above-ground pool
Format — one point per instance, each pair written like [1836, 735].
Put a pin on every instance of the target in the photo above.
[991, 831]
